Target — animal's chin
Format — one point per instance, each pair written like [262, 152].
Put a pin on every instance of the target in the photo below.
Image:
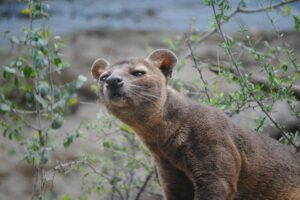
[116, 98]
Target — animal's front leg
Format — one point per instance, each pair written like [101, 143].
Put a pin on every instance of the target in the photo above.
[215, 188]
[175, 184]
[215, 175]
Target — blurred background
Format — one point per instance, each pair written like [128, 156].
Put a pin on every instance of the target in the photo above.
[93, 156]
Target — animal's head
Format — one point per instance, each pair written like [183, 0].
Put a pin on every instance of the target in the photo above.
[134, 83]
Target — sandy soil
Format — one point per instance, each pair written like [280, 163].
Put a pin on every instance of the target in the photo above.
[82, 49]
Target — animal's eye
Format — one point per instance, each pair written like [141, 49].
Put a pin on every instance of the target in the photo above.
[138, 73]
[104, 77]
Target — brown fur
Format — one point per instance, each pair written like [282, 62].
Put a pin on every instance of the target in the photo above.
[199, 152]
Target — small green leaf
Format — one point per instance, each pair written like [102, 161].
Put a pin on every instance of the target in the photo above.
[80, 81]
[46, 34]
[57, 122]
[87, 197]
[8, 72]
[286, 10]
[94, 88]
[26, 11]
[28, 72]
[66, 197]
[7, 32]
[56, 92]
[71, 87]
[296, 22]
[68, 140]
[29, 97]
[43, 89]
[72, 101]
[207, 2]
[106, 144]
[57, 61]
[4, 108]
[126, 128]
[284, 67]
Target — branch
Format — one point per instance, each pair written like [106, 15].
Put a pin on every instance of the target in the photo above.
[256, 10]
[198, 68]
[144, 185]
[235, 64]
[249, 49]
[237, 10]
[64, 167]
[254, 78]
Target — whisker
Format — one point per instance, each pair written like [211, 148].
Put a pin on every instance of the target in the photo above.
[144, 93]
[146, 97]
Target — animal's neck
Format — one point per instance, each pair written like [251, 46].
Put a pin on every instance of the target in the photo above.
[159, 123]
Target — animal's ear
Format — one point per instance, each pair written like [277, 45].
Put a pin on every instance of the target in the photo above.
[165, 60]
[98, 67]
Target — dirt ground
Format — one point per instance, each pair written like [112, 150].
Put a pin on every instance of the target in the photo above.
[81, 50]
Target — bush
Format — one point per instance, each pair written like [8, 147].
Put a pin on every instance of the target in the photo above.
[32, 100]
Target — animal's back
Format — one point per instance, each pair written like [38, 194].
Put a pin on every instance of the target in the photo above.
[269, 170]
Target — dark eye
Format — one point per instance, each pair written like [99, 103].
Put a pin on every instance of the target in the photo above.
[104, 77]
[138, 73]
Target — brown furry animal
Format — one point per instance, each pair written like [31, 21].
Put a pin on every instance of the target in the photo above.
[199, 152]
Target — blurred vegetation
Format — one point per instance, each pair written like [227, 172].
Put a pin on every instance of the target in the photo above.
[31, 100]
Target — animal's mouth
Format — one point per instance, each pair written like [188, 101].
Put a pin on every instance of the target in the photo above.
[114, 94]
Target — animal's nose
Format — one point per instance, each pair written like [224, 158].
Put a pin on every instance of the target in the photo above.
[114, 82]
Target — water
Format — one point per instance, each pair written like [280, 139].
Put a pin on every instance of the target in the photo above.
[163, 15]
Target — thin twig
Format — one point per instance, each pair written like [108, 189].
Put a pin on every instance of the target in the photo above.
[142, 189]
[250, 91]
[243, 46]
[257, 79]
[270, 7]
[64, 167]
[198, 68]
[237, 10]
[107, 179]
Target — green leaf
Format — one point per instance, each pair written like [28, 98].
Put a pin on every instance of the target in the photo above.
[56, 92]
[169, 42]
[94, 88]
[28, 72]
[207, 2]
[68, 140]
[17, 134]
[26, 11]
[43, 89]
[126, 128]
[296, 22]
[87, 197]
[57, 122]
[8, 72]
[4, 108]
[66, 197]
[29, 97]
[286, 10]
[72, 101]
[57, 61]
[71, 87]
[46, 34]
[7, 32]
[80, 81]
[106, 144]
[284, 67]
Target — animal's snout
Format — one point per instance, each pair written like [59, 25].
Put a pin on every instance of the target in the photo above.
[114, 82]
